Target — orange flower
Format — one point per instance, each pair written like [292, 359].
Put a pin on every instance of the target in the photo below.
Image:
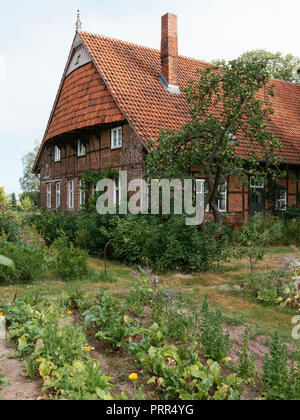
[1, 314]
[88, 349]
[133, 377]
[69, 313]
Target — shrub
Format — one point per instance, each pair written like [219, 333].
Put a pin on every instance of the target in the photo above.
[49, 225]
[29, 260]
[68, 262]
[246, 366]
[10, 227]
[215, 341]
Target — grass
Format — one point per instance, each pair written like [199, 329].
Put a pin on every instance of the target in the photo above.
[237, 308]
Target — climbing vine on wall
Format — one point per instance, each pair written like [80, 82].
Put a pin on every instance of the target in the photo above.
[90, 178]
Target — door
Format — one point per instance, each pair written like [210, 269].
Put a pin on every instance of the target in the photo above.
[256, 202]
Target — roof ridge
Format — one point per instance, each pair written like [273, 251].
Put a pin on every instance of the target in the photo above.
[198, 60]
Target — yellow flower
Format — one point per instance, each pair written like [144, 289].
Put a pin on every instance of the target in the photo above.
[1, 314]
[69, 313]
[28, 287]
[133, 377]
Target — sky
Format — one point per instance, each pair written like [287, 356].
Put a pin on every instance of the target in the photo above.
[36, 37]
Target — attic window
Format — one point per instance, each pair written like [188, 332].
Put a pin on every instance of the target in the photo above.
[116, 137]
[57, 154]
[81, 149]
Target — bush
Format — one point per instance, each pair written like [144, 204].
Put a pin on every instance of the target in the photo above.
[29, 260]
[49, 225]
[10, 227]
[167, 245]
[69, 263]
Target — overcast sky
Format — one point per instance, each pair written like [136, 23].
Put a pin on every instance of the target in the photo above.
[36, 37]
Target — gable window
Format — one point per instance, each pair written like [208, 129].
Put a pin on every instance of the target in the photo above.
[81, 149]
[49, 196]
[116, 137]
[82, 194]
[58, 195]
[222, 201]
[281, 200]
[57, 154]
[71, 194]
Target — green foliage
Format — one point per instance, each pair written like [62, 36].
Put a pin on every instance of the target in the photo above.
[246, 368]
[29, 182]
[68, 263]
[107, 318]
[280, 66]
[167, 245]
[29, 260]
[215, 341]
[49, 225]
[229, 105]
[10, 227]
[3, 197]
[254, 238]
[276, 373]
[178, 373]
[3, 382]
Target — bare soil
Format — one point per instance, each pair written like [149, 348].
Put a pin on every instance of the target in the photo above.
[21, 388]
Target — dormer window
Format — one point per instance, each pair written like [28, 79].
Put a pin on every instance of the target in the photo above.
[116, 137]
[81, 149]
[57, 154]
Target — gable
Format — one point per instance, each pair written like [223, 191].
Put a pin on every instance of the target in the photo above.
[84, 101]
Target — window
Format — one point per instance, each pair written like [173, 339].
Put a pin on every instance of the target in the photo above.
[82, 194]
[71, 194]
[116, 138]
[222, 201]
[58, 196]
[93, 190]
[49, 196]
[281, 200]
[117, 192]
[255, 184]
[81, 149]
[57, 154]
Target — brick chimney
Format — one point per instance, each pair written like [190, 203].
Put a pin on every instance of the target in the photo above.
[169, 52]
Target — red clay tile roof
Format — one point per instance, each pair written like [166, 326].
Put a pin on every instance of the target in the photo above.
[131, 74]
[83, 101]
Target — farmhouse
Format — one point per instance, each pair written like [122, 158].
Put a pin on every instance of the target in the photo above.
[116, 96]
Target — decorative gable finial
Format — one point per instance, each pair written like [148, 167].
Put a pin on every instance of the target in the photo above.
[78, 23]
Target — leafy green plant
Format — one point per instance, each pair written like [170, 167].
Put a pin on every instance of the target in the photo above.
[253, 239]
[276, 372]
[178, 374]
[215, 341]
[246, 368]
[68, 263]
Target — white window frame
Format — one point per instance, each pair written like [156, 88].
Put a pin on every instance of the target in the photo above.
[258, 186]
[224, 194]
[281, 203]
[57, 154]
[117, 188]
[58, 195]
[81, 148]
[82, 195]
[71, 194]
[49, 196]
[116, 137]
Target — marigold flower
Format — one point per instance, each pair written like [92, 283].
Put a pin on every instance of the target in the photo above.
[133, 377]
[1, 314]
[88, 349]
[69, 313]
